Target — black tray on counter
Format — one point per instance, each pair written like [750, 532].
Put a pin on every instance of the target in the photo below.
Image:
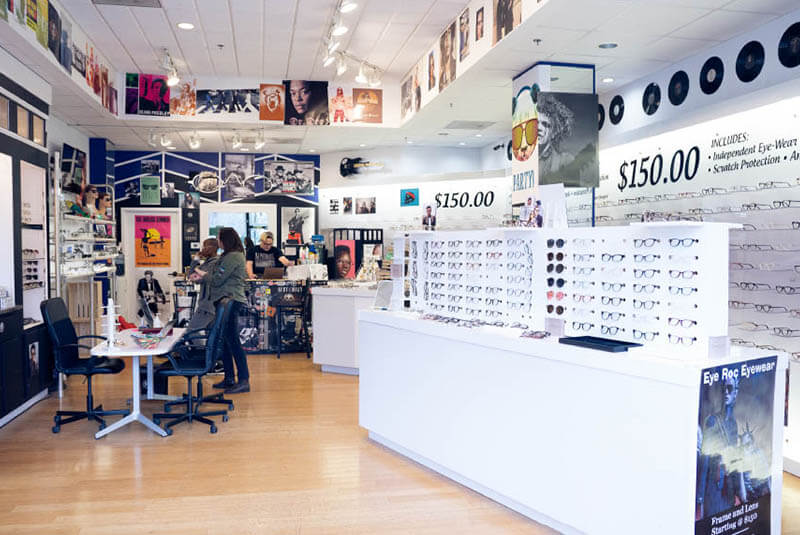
[594, 342]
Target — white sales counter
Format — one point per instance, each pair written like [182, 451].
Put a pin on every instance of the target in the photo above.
[335, 321]
[581, 440]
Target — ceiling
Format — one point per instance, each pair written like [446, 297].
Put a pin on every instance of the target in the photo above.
[289, 37]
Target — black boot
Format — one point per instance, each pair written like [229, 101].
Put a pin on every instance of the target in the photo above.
[225, 383]
[239, 388]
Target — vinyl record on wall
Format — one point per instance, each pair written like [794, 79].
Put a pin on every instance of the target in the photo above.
[711, 75]
[789, 46]
[750, 61]
[601, 116]
[678, 88]
[651, 99]
[616, 109]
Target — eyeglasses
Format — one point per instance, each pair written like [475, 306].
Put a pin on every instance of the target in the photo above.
[785, 204]
[682, 290]
[612, 330]
[613, 286]
[646, 257]
[582, 325]
[557, 256]
[559, 268]
[772, 184]
[558, 309]
[646, 305]
[681, 322]
[739, 266]
[752, 246]
[493, 243]
[613, 316]
[752, 326]
[535, 334]
[558, 282]
[682, 340]
[455, 243]
[786, 332]
[770, 309]
[494, 254]
[583, 242]
[558, 243]
[606, 257]
[582, 270]
[646, 242]
[682, 242]
[788, 290]
[582, 257]
[528, 129]
[644, 335]
[645, 288]
[614, 301]
[582, 284]
[687, 274]
[756, 206]
[474, 243]
[645, 273]
[582, 298]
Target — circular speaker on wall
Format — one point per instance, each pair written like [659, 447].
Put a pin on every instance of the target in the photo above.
[616, 109]
[750, 61]
[789, 46]
[711, 75]
[651, 99]
[678, 88]
[601, 116]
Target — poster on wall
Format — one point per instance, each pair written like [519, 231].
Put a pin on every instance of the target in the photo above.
[33, 360]
[271, 102]
[306, 102]
[153, 240]
[289, 177]
[479, 27]
[447, 57]
[333, 207]
[32, 14]
[365, 205]
[524, 137]
[54, 31]
[409, 197]
[341, 105]
[150, 190]
[153, 95]
[229, 102]
[463, 35]
[431, 71]
[131, 93]
[344, 259]
[429, 217]
[297, 224]
[191, 232]
[42, 26]
[347, 205]
[79, 64]
[507, 16]
[183, 101]
[4, 10]
[568, 139]
[66, 45]
[239, 176]
[734, 454]
[367, 106]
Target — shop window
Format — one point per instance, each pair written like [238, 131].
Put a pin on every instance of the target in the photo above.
[23, 122]
[3, 112]
[38, 130]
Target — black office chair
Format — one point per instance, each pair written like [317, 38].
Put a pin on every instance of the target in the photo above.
[66, 348]
[191, 360]
[299, 305]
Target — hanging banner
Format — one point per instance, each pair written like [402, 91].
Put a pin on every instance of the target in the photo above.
[153, 241]
[734, 448]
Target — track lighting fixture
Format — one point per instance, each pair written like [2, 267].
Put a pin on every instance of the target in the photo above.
[330, 58]
[152, 139]
[169, 65]
[361, 77]
[333, 46]
[165, 140]
[339, 28]
[194, 141]
[259, 142]
[347, 6]
[236, 140]
[341, 67]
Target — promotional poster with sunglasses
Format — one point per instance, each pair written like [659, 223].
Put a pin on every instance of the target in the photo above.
[734, 448]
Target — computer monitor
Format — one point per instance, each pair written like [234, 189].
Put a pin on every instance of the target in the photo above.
[146, 312]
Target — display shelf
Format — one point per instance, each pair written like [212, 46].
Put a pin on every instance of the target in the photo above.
[84, 274]
[32, 325]
[88, 240]
[93, 220]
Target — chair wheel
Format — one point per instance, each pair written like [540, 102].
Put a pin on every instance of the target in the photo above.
[224, 417]
[169, 431]
[213, 429]
[56, 420]
[157, 421]
[56, 428]
[230, 406]
[167, 408]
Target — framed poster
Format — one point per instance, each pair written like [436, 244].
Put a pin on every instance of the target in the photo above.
[153, 240]
[150, 190]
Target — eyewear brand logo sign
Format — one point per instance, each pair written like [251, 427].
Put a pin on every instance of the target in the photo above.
[409, 197]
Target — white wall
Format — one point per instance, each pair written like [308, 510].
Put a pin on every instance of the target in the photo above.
[21, 74]
[493, 160]
[58, 133]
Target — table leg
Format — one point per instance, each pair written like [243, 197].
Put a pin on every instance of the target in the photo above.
[150, 393]
[136, 412]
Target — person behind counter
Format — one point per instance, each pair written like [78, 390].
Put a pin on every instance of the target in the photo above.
[226, 281]
[263, 256]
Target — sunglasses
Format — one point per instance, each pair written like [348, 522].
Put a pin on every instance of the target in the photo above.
[529, 129]
[558, 309]
[558, 243]
[559, 268]
[558, 282]
[558, 295]
[557, 256]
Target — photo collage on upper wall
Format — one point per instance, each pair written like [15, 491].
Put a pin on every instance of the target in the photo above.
[291, 102]
[70, 48]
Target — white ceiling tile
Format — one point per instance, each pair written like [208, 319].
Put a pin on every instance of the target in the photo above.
[674, 49]
[777, 7]
[722, 25]
[654, 19]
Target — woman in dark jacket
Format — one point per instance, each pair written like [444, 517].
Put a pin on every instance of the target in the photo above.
[226, 281]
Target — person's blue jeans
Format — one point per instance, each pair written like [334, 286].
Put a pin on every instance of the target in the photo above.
[232, 349]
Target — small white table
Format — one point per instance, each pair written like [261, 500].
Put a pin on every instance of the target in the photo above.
[335, 321]
[129, 348]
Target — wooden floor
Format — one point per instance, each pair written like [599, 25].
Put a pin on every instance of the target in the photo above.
[292, 459]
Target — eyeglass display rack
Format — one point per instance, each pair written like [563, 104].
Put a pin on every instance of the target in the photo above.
[84, 246]
[656, 284]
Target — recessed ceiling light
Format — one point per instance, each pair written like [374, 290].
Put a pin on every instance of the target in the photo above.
[186, 26]
[244, 149]
[170, 148]
[409, 142]
[607, 80]
[363, 145]
[348, 6]
[478, 135]
[461, 143]
[312, 150]
[607, 45]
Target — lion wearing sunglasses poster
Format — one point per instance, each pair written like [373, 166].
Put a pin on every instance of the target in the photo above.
[525, 129]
